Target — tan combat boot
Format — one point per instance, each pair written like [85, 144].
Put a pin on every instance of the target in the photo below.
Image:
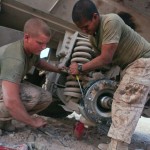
[114, 145]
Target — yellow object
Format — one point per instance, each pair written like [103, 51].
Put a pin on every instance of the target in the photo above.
[77, 78]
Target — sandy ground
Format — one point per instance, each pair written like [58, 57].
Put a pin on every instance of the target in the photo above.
[60, 136]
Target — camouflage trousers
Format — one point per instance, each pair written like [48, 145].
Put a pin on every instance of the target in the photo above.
[129, 100]
[34, 98]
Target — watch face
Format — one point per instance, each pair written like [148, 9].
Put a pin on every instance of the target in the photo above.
[80, 68]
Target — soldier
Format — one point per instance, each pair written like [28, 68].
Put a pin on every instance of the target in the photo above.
[20, 100]
[120, 45]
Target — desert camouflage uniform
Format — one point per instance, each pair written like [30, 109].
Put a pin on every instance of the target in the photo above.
[133, 57]
[129, 100]
[33, 97]
[14, 65]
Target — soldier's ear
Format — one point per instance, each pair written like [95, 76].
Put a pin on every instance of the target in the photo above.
[26, 36]
[95, 15]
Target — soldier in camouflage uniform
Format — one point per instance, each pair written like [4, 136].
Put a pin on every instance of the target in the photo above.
[20, 100]
[120, 45]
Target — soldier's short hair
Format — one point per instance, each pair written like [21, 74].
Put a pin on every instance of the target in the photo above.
[35, 26]
[83, 9]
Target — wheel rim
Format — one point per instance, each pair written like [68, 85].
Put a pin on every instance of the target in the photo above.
[98, 100]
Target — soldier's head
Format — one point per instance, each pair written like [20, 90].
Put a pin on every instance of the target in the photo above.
[86, 16]
[36, 35]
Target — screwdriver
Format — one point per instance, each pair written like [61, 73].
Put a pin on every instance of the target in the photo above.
[77, 78]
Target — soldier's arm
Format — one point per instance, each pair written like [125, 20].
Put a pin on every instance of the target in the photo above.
[42, 64]
[15, 106]
[104, 58]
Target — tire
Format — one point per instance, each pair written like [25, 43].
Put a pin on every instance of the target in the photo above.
[98, 100]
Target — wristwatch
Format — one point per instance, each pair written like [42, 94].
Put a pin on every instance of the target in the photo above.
[80, 67]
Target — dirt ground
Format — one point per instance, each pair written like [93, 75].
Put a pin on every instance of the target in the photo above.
[60, 136]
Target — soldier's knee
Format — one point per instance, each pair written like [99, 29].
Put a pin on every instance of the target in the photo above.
[46, 97]
[35, 93]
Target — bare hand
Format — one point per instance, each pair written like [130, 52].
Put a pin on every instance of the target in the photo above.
[63, 69]
[38, 122]
[74, 68]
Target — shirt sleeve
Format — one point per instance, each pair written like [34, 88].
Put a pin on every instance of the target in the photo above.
[112, 30]
[12, 70]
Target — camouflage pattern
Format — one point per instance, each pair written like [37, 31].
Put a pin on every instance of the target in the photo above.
[113, 145]
[129, 100]
[34, 98]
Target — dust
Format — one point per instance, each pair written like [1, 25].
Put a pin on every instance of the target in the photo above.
[60, 136]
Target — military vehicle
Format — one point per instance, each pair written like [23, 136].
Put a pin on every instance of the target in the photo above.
[91, 95]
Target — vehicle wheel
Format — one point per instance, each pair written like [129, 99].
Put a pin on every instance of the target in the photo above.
[98, 100]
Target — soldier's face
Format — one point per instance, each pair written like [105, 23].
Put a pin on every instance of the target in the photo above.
[37, 43]
[88, 26]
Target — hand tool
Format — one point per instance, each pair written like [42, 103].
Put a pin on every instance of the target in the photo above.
[77, 78]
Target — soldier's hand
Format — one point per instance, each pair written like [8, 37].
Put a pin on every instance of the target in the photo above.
[64, 69]
[74, 68]
[39, 122]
